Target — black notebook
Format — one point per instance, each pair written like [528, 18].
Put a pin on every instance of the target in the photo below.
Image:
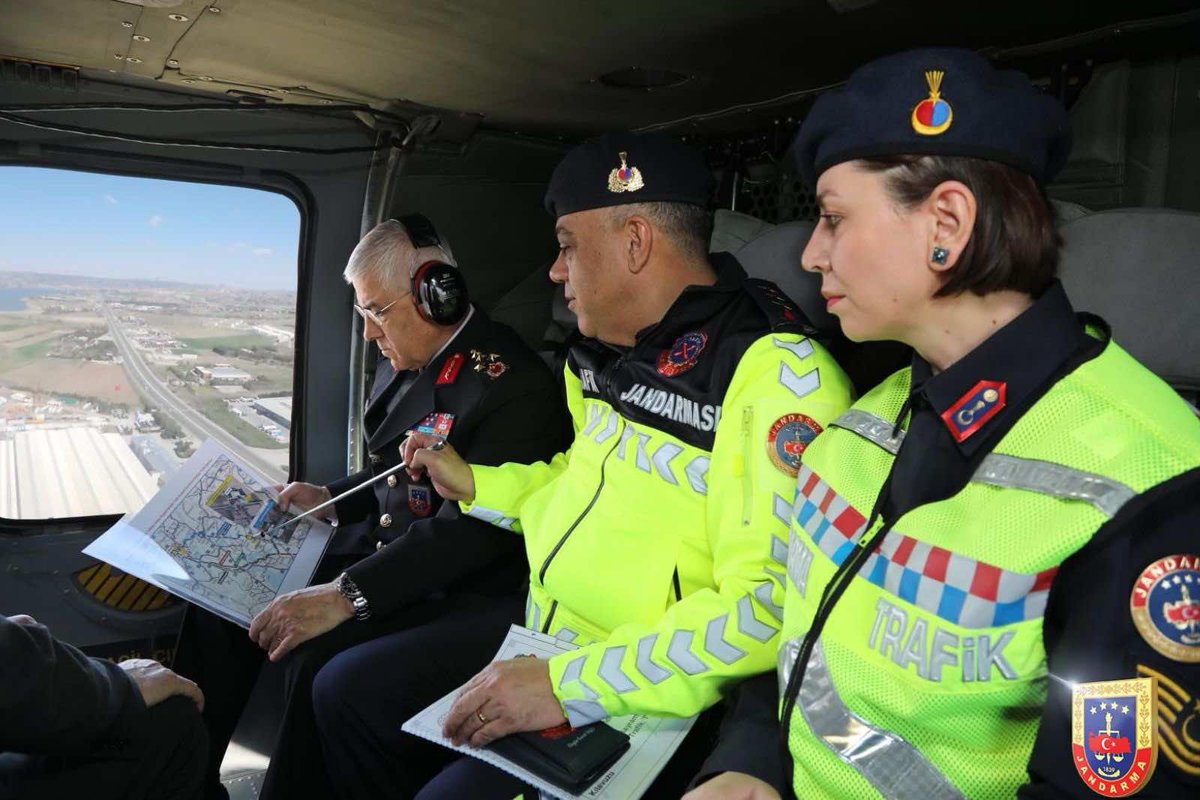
[569, 758]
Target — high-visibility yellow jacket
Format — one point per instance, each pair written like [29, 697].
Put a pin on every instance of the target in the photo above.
[657, 541]
[930, 676]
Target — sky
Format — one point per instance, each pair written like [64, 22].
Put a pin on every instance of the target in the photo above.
[108, 226]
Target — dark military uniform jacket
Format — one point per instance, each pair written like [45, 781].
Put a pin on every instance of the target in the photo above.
[55, 700]
[493, 400]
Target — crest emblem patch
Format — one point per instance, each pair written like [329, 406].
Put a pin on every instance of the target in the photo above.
[420, 502]
[1165, 605]
[1113, 738]
[787, 440]
[682, 355]
[933, 115]
[625, 178]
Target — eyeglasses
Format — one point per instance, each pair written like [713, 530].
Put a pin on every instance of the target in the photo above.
[377, 316]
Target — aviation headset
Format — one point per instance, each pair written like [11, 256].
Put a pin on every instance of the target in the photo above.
[439, 289]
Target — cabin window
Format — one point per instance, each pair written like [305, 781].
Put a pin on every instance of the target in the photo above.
[138, 317]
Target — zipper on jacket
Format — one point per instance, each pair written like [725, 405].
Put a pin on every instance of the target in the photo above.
[675, 580]
[584, 513]
[550, 617]
[747, 463]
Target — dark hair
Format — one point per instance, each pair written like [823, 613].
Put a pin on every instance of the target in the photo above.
[1014, 244]
[689, 226]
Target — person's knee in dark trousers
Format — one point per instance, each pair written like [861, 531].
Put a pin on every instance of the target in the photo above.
[470, 777]
[361, 731]
[171, 752]
[220, 657]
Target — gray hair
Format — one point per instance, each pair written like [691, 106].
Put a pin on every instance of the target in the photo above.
[386, 253]
[688, 226]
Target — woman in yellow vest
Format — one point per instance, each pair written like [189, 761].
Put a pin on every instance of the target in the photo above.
[985, 540]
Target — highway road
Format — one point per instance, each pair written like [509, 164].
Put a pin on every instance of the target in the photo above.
[196, 424]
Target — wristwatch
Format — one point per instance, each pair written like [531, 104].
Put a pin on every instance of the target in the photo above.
[348, 589]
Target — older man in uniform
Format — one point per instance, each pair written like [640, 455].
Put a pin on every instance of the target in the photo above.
[654, 543]
[455, 375]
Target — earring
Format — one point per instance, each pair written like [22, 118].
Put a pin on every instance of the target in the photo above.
[940, 254]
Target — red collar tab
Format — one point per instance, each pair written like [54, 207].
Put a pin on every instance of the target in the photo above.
[974, 409]
[450, 368]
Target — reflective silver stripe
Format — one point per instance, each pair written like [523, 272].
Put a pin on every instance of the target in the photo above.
[778, 577]
[1055, 480]
[779, 550]
[800, 558]
[566, 635]
[643, 460]
[872, 428]
[583, 712]
[783, 510]
[784, 659]
[682, 657]
[662, 461]
[493, 516]
[801, 349]
[763, 595]
[595, 411]
[533, 614]
[696, 471]
[610, 428]
[895, 768]
[716, 645]
[749, 625]
[610, 670]
[647, 668]
[800, 385]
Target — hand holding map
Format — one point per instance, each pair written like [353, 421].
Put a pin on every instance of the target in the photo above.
[201, 538]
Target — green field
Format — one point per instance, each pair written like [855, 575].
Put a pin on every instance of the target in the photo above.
[207, 343]
[213, 406]
[13, 357]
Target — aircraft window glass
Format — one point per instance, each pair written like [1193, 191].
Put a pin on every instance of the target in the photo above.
[138, 317]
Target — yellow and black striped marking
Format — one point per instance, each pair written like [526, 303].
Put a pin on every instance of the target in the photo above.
[118, 590]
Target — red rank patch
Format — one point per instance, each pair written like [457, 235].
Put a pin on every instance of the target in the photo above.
[450, 368]
[974, 409]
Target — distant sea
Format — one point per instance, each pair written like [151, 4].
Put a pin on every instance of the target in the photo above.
[13, 299]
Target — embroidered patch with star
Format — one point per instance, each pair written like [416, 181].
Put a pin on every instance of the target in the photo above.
[1165, 605]
[682, 355]
[489, 364]
[788, 438]
[1113, 737]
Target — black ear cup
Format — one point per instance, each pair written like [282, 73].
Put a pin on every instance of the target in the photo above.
[440, 293]
[439, 290]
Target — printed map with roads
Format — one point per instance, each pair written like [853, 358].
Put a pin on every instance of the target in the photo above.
[213, 520]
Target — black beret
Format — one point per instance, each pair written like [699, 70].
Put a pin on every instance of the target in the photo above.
[936, 101]
[621, 168]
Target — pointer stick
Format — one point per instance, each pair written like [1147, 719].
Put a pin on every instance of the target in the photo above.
[333, 500]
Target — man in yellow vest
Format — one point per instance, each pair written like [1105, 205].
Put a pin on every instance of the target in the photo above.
[656, 542]
[992, 572]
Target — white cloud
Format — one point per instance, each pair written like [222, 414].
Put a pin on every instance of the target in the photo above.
[155, 221]
[262, 251]
[108, 198]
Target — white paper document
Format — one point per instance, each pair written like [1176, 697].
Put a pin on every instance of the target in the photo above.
[201, 538]
[652, 740]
